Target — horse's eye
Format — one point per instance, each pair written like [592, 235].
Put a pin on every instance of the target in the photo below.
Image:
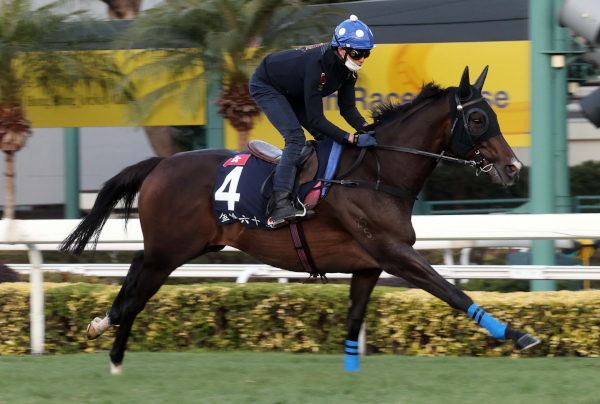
[477, 121]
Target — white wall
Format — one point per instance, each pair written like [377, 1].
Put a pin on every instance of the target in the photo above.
[584, 141]
[103, 152]
[106, 151]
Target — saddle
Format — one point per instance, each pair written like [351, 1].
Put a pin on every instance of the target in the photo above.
[308, 162]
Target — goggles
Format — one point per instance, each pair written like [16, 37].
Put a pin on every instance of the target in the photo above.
[358, 54]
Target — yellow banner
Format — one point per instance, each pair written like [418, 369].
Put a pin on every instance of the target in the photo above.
[86, 107]
[397, 72]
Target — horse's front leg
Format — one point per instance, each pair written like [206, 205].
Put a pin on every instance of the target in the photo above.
[404, 261]
[361, 287]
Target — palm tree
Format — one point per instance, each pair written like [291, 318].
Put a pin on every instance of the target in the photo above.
[123, 9]
[216, 42]
[161, 138]
[27, 58]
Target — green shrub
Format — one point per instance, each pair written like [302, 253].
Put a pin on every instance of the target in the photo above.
[297, 318]
[454, 182]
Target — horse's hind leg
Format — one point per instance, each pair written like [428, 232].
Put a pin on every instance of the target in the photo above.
[361, 287]
[410, 265]
[150, 277]
[98, 326]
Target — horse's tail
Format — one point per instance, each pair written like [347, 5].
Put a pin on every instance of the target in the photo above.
[123, 186]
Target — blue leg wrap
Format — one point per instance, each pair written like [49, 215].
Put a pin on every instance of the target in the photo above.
[351, 357]
[495, 327]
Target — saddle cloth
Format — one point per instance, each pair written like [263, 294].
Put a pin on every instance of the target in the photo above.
[237, 193]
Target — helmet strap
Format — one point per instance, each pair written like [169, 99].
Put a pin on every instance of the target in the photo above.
[337, 53]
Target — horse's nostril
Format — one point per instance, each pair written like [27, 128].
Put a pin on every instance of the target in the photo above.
[511, 169]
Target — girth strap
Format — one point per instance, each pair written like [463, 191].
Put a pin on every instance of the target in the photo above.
[304, 252]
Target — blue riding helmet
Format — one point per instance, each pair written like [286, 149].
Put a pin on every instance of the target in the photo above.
[353, 33]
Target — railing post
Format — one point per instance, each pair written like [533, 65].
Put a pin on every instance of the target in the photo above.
[465, 256]
[542, 20]
[247, 273]
[449, 260]
[36, 314]
[562, 192]
[71, 140]
[215, 126]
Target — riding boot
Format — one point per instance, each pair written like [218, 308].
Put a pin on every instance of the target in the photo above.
[284, 211]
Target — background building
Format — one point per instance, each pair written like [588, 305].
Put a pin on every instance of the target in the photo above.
[471, 28]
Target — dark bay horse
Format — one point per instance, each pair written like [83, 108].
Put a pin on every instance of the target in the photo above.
[176, 213]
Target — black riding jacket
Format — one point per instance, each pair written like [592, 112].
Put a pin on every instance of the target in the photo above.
[308, 74]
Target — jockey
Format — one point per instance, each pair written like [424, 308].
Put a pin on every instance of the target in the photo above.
[289, 87]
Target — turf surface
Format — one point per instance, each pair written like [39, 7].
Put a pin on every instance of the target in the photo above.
[244, 377]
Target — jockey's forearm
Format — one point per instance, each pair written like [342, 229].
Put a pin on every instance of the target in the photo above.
[322, 125]
[352, 116]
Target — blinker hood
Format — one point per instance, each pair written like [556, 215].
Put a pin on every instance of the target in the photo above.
[463, 139]
[463, 102]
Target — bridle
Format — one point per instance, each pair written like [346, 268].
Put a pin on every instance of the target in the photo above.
[480, 165]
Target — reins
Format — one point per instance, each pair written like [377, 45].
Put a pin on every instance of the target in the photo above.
[478, 165]
[369, 185]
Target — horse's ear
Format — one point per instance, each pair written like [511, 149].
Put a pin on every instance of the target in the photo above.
[464, 89]
[481, 79]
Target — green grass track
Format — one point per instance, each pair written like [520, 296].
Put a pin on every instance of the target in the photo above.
[245, 377]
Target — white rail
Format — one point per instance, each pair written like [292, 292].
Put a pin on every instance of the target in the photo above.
[419, 245]
[266, 271]
[432, 228]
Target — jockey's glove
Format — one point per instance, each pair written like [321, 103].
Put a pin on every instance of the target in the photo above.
[365, 139]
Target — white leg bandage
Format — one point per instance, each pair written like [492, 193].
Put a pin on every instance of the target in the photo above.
[116, 369]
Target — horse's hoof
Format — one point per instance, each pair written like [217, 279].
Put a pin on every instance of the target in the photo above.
[527, 341]
[116, 369]
[91, 332]
[97, 327]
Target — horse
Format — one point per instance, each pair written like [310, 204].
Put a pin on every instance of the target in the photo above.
[176, 211]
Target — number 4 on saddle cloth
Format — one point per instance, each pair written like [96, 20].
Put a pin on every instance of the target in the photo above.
[244, 182]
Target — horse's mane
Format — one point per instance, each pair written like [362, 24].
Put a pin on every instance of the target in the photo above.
[389, 110]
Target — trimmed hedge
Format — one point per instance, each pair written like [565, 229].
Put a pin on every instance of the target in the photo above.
[302, 318]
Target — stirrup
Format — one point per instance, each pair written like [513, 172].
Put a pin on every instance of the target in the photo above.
[306, 214]
[303, 207]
